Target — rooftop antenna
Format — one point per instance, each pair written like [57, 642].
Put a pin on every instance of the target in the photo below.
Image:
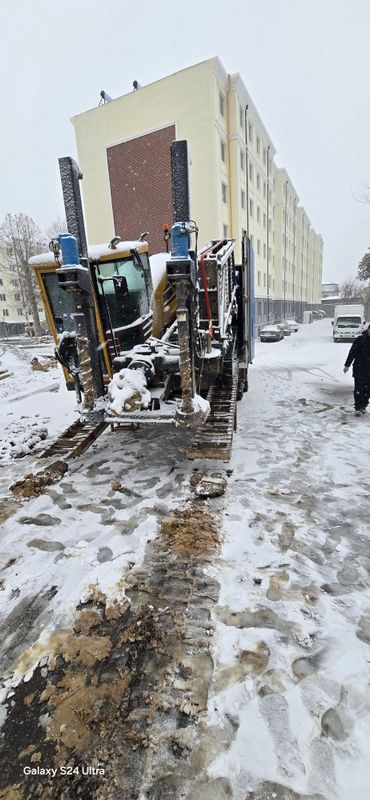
[104, 97]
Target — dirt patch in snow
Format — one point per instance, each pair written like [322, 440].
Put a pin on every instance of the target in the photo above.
[191, 530]
[7, 507]
[34, 485]
[124, 690]
[69, 711]
[11, 793]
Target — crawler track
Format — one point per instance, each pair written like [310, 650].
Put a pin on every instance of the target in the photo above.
[214, 438]
[75, 440]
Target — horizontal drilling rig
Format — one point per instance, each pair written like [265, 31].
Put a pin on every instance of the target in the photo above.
[142, 341]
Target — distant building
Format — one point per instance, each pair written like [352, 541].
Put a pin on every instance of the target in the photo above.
[15, 311]
[124, 154]
[330, 290]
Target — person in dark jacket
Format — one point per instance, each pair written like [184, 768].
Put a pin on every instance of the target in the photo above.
[359, 355]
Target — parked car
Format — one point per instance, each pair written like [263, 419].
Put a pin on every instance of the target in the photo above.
[271, 333]
[287, 330]
[293, 324]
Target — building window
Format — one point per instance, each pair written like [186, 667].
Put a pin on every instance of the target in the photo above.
[258, 213]
[258, 247]
[251, 207]
[222, 104]
[2, 296]
[17, 297]
[264, 220]
[1, 281]
[264, 188]
[273, 284]
[258, 181]
[250, 132]
[264, 155]
[19, 312]
[258, 144]
[243, 199]
[242, 160]
[241, 116]
[259, 278]
[264, 279]
[224, 192]
[251, 173]
[9, 250]
[5, 312]
[223, 151]
[264, 251]
[225, 231]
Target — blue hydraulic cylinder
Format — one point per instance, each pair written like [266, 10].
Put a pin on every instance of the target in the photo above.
[68, 246]
[180, 240]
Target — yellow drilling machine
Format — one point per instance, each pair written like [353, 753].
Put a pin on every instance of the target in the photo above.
[159, 340]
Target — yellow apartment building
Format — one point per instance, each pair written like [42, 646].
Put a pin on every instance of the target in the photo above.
[124, 153]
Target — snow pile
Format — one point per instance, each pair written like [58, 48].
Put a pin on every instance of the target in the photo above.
[158, 269]
[128, 391]
[21, 438]
[202, 405]
[30, 402]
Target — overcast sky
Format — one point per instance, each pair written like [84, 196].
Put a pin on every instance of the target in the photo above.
[306, 64]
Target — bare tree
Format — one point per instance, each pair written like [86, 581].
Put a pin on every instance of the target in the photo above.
[57, 226]
[363, 270]
[24, 239]
[350, 289]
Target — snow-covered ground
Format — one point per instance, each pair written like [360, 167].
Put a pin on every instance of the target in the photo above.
[291, 644]
[30, 402]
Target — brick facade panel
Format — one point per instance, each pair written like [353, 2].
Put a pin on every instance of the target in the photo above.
[140, 185]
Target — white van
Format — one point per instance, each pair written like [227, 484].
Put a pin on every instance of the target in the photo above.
[348, 323]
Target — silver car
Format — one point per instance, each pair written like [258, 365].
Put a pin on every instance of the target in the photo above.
[293, 324]
[271, 333]
[285, 328]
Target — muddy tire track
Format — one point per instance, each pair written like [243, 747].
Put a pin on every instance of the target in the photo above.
[125, 689]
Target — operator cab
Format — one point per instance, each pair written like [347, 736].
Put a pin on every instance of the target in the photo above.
[122, 289]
